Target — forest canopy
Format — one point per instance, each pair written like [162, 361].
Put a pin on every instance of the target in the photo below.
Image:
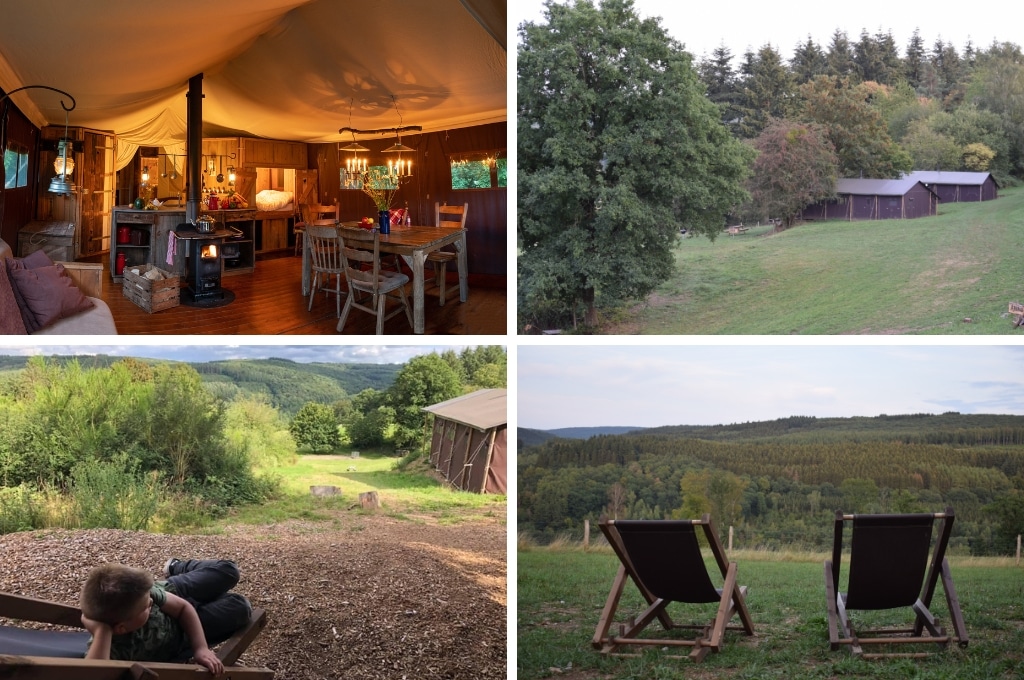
[779, 483]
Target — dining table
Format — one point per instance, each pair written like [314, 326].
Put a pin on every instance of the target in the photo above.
[412, 243]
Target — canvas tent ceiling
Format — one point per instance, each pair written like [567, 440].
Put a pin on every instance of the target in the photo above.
[282, 69]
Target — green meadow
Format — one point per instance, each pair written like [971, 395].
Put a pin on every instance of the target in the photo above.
[404, 494]
[954, 273]
[561, 592]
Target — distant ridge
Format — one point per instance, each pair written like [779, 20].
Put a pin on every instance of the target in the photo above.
[531, 437]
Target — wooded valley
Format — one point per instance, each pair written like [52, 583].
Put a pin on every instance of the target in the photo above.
[779, 483]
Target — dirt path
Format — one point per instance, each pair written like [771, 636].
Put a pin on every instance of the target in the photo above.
[360, 596]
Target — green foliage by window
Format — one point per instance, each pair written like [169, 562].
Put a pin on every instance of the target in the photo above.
[315, 428]
[618, 149]
[502, 164]
[470, 175]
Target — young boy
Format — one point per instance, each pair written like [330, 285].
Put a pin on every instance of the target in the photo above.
[133, 618]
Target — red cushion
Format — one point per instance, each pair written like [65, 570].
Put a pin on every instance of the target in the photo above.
[49, 295]
[397, 215]
[11, 322]
[35, 260]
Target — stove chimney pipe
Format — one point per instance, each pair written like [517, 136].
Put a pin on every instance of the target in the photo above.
[194, 148]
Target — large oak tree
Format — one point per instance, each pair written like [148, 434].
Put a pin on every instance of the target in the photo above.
[617, 149]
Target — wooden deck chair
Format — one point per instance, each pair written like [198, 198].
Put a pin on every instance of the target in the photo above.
[888, 564]
[664, 560]
[60, 655]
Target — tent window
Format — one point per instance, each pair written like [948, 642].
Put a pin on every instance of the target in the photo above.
[480, 170]
[15, 166]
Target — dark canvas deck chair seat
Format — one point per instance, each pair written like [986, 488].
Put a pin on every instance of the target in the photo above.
[60, 655]
[663, 559]
[890, 569]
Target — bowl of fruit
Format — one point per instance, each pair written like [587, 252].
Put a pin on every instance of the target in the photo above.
[366, 223]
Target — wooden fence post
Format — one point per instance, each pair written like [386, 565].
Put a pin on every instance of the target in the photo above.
[730, 539]
[1018, 550]
[586, 536]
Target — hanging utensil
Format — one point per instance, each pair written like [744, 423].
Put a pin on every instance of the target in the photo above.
[220, 175]
[174, 167]
[164, 173]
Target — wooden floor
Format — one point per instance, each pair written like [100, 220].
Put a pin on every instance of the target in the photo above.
[270, 302]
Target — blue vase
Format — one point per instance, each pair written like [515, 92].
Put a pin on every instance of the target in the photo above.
[384, 219]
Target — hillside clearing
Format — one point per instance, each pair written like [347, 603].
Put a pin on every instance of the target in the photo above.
[950, 274]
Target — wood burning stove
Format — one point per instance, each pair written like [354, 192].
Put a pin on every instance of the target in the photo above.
[204, 267]
[205, 253]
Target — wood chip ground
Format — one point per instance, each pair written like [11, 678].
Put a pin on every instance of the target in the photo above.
[358, 597]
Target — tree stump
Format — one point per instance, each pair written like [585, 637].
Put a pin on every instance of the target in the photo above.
[322, 491]
[369, 500]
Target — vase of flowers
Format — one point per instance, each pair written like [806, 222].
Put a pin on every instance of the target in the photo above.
[381, 185]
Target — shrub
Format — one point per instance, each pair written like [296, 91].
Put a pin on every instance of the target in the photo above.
[315, 428]
[20, 510]
[114, 495]
[180, 512]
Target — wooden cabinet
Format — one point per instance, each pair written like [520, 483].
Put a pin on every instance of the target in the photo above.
[147, 233]
[140, 236]
[239, 252]
[89, 207]
[275, 234]
[245, 152]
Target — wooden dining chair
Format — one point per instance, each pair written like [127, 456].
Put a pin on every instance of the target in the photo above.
[326, 261]
[310, 213]
[359, 250]
[446, 215]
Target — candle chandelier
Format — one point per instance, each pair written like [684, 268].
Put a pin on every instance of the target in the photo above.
[355, 172]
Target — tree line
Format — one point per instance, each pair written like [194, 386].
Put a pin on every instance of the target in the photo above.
[867, 109]
[776, 493]
[394, 416]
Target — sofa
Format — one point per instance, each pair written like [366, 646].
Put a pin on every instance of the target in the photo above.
[96, 320]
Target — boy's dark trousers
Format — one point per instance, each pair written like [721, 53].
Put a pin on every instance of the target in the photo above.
[205, 584]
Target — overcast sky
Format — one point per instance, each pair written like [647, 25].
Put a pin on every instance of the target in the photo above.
[742, 24]
[328, 353]
[562, 386]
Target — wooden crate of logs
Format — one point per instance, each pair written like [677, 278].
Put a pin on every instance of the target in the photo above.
[151, 288]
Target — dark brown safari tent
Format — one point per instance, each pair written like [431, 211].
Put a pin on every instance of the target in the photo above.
[469, 442]
[876, 199]
[958, 187]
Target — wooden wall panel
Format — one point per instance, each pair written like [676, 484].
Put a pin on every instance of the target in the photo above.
[487, 220]
[17, 205]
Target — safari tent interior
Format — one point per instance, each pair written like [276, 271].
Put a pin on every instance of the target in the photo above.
[239, 98]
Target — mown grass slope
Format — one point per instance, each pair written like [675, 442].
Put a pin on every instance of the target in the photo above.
[922, 276]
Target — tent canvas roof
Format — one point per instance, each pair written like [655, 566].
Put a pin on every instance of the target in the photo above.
[945, 177]
[875, 187]
[483, 409]
[282, 69]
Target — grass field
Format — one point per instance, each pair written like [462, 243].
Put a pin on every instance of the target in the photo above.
[922, 276]
[403, 494]
[561, 593]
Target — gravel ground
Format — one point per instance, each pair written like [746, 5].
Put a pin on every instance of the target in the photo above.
[359, 597]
